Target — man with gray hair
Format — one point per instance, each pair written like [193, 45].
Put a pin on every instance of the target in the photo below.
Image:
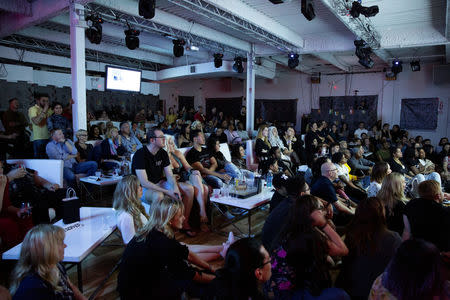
[324, 189]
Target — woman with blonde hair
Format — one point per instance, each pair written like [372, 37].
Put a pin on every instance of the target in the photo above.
[38, 273]
[187, 175]
[155, 265]
[111, 146]
[262, 144]
[393, 198]
[132, 216]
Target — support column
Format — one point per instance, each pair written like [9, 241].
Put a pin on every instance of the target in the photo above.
[250, 94]
[78, 66]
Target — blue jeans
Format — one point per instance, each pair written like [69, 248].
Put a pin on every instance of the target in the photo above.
[234, 172]
[213, 181]
[39, 148]
[86, 167]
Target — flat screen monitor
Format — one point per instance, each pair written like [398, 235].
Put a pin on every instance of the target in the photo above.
[120, 79]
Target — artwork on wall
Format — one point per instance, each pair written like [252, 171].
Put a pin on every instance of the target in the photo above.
[348, 109]
[419, 113]
[280, 111]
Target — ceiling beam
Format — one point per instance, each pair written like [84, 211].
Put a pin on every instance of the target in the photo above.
[21, 7]
[130, 8]
[283, 60]
[329, 57]
[63, 38]
[41, 11]
[238, 15]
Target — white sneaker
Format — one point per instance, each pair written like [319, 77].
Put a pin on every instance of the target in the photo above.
[51, 214]
[231, 238]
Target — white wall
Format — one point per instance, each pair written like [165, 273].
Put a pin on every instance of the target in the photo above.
[42, 78]
[297, 86]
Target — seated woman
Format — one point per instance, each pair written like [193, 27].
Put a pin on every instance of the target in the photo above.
[154, 264]
[275, 141]
[38, 273]
[355, 192]
[111, 149]
[393, 198]
[238, 156]
[421, 171]
[247, 267]
[14, 222]
[371, 246]
[184, 139]
[132, 216]
[232, 135]
[415, 272]
[85, 151]
[262, 144]
[94, 133]
[222, 164]
[379, 171]
[186, 175]
[294, 146]
[301, 263]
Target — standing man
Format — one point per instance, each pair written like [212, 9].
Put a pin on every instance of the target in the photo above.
[38, 115]
[61, 148]
[149, 164]
[199, 116]
[200, 159]
[15, 123]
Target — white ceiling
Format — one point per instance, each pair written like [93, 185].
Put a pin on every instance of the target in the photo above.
[408, 29]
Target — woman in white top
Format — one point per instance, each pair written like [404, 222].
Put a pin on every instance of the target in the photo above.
[379, 171]
[275, 141]
[131, 216]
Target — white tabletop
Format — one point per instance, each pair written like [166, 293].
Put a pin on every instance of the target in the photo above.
[95, 225]
[247, 203]
[102, 181]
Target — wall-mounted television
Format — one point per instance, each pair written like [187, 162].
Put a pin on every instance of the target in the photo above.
[121, 79]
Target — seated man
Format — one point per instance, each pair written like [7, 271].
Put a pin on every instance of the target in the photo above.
[283, 167]
[426, 217]
[61, 148]
[149, 163]
[324, 189]
[129, 140]
[200, 159]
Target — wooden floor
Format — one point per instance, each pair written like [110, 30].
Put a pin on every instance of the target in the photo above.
[103, 259]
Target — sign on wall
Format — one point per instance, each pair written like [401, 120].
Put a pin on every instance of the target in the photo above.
[419, 113]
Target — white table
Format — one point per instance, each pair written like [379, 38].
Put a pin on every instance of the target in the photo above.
[100, 183]
[95, 225]
[248, 205]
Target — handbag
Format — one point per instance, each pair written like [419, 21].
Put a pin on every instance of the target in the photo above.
[71, 207]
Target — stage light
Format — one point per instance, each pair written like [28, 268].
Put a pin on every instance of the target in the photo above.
[363, 52]
[147, 8]
[308, 9]
[293, 60]
[396, 66]
[178, 48]
[415, 66]
[237, 66]
[131, 38]
[218, 60]
[358, 9]
[94, 30]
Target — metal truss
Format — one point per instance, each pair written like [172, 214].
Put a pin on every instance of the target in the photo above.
[117, 17]
[46, 47]
[219, 15]
[361, 26]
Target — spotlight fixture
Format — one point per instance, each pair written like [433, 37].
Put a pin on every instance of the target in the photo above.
[218, 60]
[94, 30]
[396, 66]
[415, 66]
[237, 66]
[308, 9]
[358, 9]
[147, 8]
[131, 37]
[178, 48]
[363, 52]
[293, 60]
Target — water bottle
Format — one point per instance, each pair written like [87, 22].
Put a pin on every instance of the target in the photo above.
[269, 179]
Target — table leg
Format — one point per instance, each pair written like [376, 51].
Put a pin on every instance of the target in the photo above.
[80, 277]
[249, 223]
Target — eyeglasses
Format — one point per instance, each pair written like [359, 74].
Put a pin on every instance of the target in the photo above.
[82, 135]
[331, 170]
[158, 137]
[267, 262]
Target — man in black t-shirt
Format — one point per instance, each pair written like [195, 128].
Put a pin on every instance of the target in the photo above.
[150, 164]
[200, 159]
